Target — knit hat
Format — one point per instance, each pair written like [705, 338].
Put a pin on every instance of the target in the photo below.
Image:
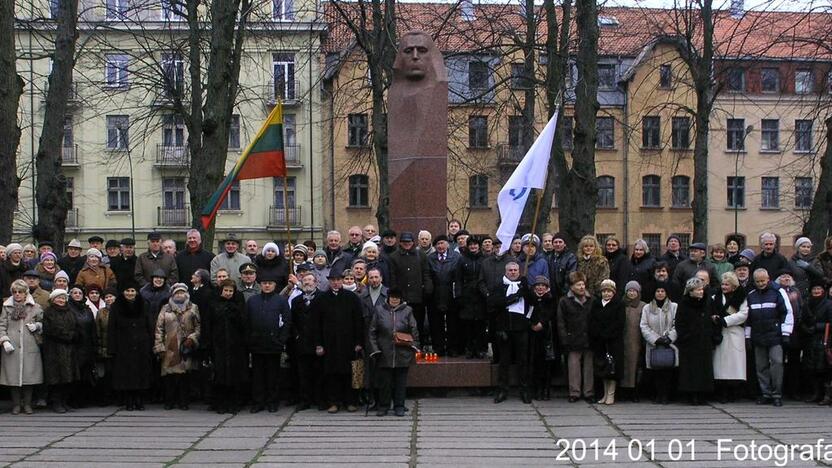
[818, 281]
[632, 285]
[94, 253]
[607, 284]
[671, 237]
[300, 248]
[57, 292]
[370, 244]
[748, 253]
[802, 241]
[440, 238]
[693, 283]
[46, 255]
[375, 239]
[664, 285]
[540, 279]
[158, 273]
[270, 246]
[61, 274]
[530, 239]
[13, 246]
[319, 253]
[74, 244]
[178, 287]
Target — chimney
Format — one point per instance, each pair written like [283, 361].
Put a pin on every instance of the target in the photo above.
[737, 8]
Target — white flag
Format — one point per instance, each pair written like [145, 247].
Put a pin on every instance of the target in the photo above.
[530, 173]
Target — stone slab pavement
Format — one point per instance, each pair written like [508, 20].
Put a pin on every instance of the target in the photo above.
[453, 431]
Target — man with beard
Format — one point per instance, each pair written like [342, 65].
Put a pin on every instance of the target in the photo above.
[339, 339]
[192, 257]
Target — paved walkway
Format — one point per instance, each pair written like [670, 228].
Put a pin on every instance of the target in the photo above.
[460, 432]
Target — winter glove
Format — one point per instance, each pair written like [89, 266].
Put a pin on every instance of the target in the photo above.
[802, 264]
[8, 347]
[787, 341]
[33, 327]
[663, 341]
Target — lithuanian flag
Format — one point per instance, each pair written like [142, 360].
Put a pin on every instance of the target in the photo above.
[262, 158]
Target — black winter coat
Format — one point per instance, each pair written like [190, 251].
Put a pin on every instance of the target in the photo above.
[155, 298]
[606, 331]
[130, 337]
[472, 304]
[816, 317]
[620, 269]
[442, 276]
[498, 302]
[694, 339]
[125, 270]
[409, 271]
[641, 270]
[268, 323]
[573, 323]
[560, 265]
[189, 262]
[303, 323]
[339, 328]
[276, 266]
[223, 334]
[72, 266]
[60, 338]
[672, 261]
[773, 264]
[86, 347]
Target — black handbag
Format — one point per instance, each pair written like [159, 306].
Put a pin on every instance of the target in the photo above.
[549, 353]
[605, 366]
[662, 357]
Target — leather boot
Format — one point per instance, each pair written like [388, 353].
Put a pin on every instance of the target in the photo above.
[15, 394]
[827, 397]
[606, 393]
[610, 393]
[27, 399]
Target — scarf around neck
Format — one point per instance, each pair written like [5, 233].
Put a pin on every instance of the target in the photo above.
[518, 307]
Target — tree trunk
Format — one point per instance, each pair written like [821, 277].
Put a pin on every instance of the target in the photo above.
[381, 53]
[578, 187]
[11, 87]
[702, 73]
[528, 46]
[817, 227]
[52, 200]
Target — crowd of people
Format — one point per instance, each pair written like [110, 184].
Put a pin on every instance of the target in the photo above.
[312, 325]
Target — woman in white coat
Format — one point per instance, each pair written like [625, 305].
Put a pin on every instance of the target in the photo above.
[729, 312]
[20, 328]
[658, 329]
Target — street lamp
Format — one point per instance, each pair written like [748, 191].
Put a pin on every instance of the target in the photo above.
[740, 148]
[123, 140]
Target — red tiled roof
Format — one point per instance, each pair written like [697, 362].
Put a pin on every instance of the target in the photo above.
[755, 34]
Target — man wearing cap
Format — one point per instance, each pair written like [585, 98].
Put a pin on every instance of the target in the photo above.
[686, 269]
[192, 257]
[388, 242]
[268, 328]
[443, 265]
[41, 297]
[111, 251]
[743, 269]
[339, 339]
[73, 261]
[248, 284]
[43, 247]
[155, 259]
[460, 240]
[561, 263]
[769, 258]
[409, 271]
[673, 255]
[230, 259]
[124, 264]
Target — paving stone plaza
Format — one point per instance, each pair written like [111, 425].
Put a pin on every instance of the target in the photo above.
[453, 431]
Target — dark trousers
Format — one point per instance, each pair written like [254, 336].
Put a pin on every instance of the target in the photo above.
[227, 397]
[793, 385]
[515, 350]
[455, 336]
[419, 315]
[339, 388]
[309, 379]
[436, 322]
[265, 378]
[177, 389]
[391, 380]
[474, 335]
[752, 387]
[662, 380]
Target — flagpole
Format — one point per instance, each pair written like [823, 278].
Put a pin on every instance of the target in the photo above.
[286, 209]
[539, 196]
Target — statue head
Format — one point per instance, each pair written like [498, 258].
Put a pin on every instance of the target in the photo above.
[418, 58]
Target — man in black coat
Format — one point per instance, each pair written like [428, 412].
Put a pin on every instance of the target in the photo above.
[442, 264]
[673, 255]
[336, 258]
[192, 257]
[561, 263]
[409, 272]
[307, 366]
[769, 258]
[339, 339]
[124, 265]
[510, 303]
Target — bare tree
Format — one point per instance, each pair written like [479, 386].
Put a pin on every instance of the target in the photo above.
[11, 87]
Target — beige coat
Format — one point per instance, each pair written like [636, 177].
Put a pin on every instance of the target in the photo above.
[632, 343]
[173, 327]
[657, 322]
[729, 356]
[23, 366]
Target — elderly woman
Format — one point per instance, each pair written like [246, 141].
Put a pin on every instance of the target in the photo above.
[728, 313]
[60, 362]
[373, 259]
[20, 328]
[349, 282]
[572, 325]
[86, 347]
[30, 255]
[733, 245]
[592, 263]
[224, 336]
[606, 337]
[177, 337]
[719, 259]
[14, 264]
[61, 281]
[130, 335]
[659, 330]
[47, 269]
[642, 263]
[270, 262]
[633, 344]
[95, 273]
[814, 324]
[394, 339]
[694, 328]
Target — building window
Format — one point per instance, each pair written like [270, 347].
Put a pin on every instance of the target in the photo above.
[680, 186]
[70, 192]
[567, 127]
[519, 80]
[651, 191]
[803, 192]
[681, 133]
[283, 65]
[173, 131]
[232, 200]
[278, 192]
[736, 134]
[770, 135]
[359, 191]
[605, 137]
[665, 76]
[606, 192]
[651, 132]
[735, 80]
[478, 191]
[234, 132]
[736, 192]
[770, 80]
[803, 135]
[118, 193]
[515, 131]
[118, 127]
[804, 82]
[284, 10]
[116, 9]
[172, 10]
[478, 131]
[477, 77]
[606, 76]
[357, 130]
[69, 138]
[115, 70]
[54, 8]
[770, 192]
[173, 74]
[173, 193]
[684, 240]
[654, 242]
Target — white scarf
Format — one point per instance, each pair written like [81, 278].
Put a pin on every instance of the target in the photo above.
[518, 307]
